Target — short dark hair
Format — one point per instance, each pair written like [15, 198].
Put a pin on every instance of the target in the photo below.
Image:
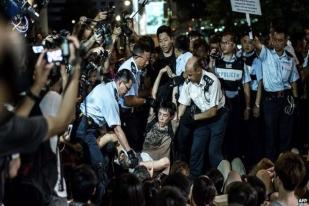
[169, 106]
[215, 39]
[84, 181]
[170, 196]
[182, 43]
[164, 29]
[128, 191]
[231, 34]
[291, 170]
[124, 75]
[259, 187]
[148, 41]
[216, 176]
[180, 181]
[203, 191]
[241, 193]
[199, 43]
[151, 188]
[140, 47]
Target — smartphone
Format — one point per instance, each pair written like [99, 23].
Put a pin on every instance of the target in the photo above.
[54, 56]
[37, 49]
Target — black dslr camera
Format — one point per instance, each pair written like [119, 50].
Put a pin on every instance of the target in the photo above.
[125, 30]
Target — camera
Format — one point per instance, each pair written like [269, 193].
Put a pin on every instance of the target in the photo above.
[124, 27]
[216, 55]
[58, 49]
[37, 49]
[94, 61]
[54, 56]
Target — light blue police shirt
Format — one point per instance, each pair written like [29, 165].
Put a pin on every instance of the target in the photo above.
[102, 105]
[255, 69]
[278, 71]
[181, 62]
[137, 73]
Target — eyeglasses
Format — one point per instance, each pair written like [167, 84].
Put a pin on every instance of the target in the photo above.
[128, 88]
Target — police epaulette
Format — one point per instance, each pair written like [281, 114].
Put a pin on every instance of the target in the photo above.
[289, 54]
[209, 81]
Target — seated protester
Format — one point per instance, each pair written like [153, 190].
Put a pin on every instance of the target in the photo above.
[290, 170]
[158, 138]
[151, 188]
[216, 176]
[203, 191]
[260, 188]
[83, 184]
[170, 196]
[127, 190]
[179, 181]
[241, 193]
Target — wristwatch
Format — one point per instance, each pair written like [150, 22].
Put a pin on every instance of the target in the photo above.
[32, 96]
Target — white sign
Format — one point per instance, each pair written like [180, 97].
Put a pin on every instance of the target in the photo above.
[152, 17]
[247, 6]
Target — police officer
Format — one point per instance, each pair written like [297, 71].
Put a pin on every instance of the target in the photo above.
[234, 76]
[201, 113]
[100, 109]
[134, 99]
[279, 80]
[254, 124]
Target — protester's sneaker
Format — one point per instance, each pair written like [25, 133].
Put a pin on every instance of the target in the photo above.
[224, 167]
[238, 166]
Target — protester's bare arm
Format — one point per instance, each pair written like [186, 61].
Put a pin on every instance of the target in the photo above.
[157, 82]
[59, 123]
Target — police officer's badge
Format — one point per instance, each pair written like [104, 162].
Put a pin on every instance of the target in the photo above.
[133, 68]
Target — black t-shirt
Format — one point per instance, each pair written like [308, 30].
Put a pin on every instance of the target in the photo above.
[22, 135]
[161, 62]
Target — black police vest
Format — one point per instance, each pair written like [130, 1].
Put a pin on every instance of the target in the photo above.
[249, 61]
[230, 73]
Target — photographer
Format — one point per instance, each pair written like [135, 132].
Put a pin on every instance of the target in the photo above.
[20, 134]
